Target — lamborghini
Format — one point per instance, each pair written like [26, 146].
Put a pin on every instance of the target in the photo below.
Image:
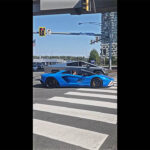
[83, 78]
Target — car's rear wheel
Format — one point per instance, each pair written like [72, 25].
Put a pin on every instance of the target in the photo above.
[96, 83]
[52, 83]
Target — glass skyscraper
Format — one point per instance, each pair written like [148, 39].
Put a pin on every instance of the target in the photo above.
[109, 26]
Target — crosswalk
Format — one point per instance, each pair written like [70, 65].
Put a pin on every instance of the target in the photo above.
[97, 90]
[92, 95]
[71, 134]
[84, 102]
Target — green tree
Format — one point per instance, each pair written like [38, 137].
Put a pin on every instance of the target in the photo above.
[36, 57]
[94, 55]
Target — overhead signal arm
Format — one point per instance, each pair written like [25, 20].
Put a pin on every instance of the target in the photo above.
[42, 32]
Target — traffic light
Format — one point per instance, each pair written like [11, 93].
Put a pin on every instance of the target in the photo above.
[91, 42]
[42, 31]
[97, 39]
[85, 5]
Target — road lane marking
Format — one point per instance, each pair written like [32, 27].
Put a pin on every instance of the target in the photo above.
[86, 114]
[79, 137]
[113, 87]
[97, 90]
[84, 102]
[92, 95]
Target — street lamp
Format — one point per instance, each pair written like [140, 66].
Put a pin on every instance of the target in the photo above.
[94, 23]
[109, 27]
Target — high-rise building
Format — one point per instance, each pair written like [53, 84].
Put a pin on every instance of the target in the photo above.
[109, 26]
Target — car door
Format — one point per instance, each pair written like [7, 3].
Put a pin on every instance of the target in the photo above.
[73, 80]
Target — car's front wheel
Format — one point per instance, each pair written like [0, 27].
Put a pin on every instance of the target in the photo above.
[52, 83]
[96, 83]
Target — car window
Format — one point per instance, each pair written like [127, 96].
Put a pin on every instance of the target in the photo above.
[67, 72]
[72, 64]
[83, 64]
[84, 73]
[54, 70]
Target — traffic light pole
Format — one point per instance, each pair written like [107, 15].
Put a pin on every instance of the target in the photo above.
[110, 44]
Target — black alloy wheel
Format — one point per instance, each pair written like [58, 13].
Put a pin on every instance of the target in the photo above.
[96, 83]
[52, 83]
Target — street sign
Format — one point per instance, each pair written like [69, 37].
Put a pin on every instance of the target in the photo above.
[49, 31]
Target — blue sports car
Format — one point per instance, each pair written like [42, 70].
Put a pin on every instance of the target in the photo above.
[70, 78]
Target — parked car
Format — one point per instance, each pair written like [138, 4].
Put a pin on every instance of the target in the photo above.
[77, 64]
[82, 78]
[35, 68]
[40, 66]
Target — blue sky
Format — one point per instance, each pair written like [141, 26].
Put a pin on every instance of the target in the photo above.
[65, 45]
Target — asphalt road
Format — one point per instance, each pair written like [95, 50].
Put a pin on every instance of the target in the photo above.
[74, 118]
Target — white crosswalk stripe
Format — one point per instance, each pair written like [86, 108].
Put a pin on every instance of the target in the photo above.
[86, 114]
[113, 87]
[75, 136]
[97, 90]
[92, 95]
[115, 83]
[84, 102]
